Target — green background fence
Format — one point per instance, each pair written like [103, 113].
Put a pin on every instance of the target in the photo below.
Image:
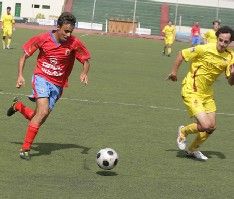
[148, 13]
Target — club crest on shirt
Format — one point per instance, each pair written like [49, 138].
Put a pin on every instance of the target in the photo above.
[67, 52]
[53, 60]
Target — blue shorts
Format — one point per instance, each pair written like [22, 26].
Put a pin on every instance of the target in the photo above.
[196, 40]
[44, 89]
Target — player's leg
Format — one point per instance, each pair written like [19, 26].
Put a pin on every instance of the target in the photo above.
[4, 38]
[194, 40]
[41, 113]
[17, 105]
[169, 49]
[9, 38]
[46, 95]
[194, 105]
[165, 46]
[206, 123]
[8, 42]
[169, 45]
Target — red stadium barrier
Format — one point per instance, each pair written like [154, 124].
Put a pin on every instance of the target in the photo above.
[68, 6]
[164, 16]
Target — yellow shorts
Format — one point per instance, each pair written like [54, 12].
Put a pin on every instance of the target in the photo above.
[198, 103]
[7, 32]
[169, 40]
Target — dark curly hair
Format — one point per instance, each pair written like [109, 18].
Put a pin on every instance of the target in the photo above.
[225, 29]
[66, 18]
[216, 21]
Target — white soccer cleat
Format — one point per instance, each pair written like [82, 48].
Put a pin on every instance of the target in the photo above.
[196, 154]
[181, 143]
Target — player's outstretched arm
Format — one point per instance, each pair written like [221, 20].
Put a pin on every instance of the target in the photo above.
[173, 75]
[84, 73]
[20, 79]
[231, 78]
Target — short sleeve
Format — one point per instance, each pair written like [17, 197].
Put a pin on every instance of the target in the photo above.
[81, 52]
[32, 45]
[193, 52]
[228, 72]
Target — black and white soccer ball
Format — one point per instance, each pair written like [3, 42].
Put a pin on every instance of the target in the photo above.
[107, 158]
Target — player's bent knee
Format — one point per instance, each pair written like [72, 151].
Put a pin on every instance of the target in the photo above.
[208, 128]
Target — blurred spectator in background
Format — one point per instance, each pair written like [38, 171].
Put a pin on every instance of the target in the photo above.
[169, 32]
[196, 34]
[7, 29]
[209, 36]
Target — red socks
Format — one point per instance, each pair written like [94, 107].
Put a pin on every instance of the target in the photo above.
[24, 110]
[30, 135]
[32, 129]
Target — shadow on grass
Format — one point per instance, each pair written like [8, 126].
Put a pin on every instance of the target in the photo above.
[209, 154]
[47, 148]
[106, 173]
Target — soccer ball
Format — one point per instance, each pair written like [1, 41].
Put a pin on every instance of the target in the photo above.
[107, 158]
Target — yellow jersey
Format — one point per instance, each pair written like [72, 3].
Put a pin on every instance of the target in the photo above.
[169, 31]
[210, 36]
[7, 21]
[206, 65]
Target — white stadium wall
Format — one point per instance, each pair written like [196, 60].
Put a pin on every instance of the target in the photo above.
[30, 8]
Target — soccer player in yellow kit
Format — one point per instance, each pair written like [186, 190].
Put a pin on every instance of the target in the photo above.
[207, 63]
[7, 28]
[169, 32]
[209, 36]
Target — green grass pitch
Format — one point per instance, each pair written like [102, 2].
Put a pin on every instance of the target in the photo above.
[127, 106]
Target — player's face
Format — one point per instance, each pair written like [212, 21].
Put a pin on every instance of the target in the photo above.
[224, 40]
[64, 32]
[216, 26]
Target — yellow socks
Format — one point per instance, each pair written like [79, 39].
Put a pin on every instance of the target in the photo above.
[192, 129]
[8, 42]
[201, 137]
[3, 43]
[169, 50]
[189, 129]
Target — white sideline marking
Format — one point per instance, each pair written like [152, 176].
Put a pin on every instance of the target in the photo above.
[116, 103]
[84, 35]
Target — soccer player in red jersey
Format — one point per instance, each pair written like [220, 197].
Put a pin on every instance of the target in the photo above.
[58, 50]
[196, 34]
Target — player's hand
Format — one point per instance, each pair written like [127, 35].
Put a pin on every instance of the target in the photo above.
[20, 82]
[172, 77]
[84, 78]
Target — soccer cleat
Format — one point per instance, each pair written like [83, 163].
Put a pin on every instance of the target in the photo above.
[181, 142]
[163, 52]
[11, 111]
[196, 154]
[25, 154]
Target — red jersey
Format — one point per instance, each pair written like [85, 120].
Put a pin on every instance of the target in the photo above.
[55, 60]
[195, 31]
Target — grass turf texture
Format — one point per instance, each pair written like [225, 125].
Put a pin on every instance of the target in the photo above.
[127, 106]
